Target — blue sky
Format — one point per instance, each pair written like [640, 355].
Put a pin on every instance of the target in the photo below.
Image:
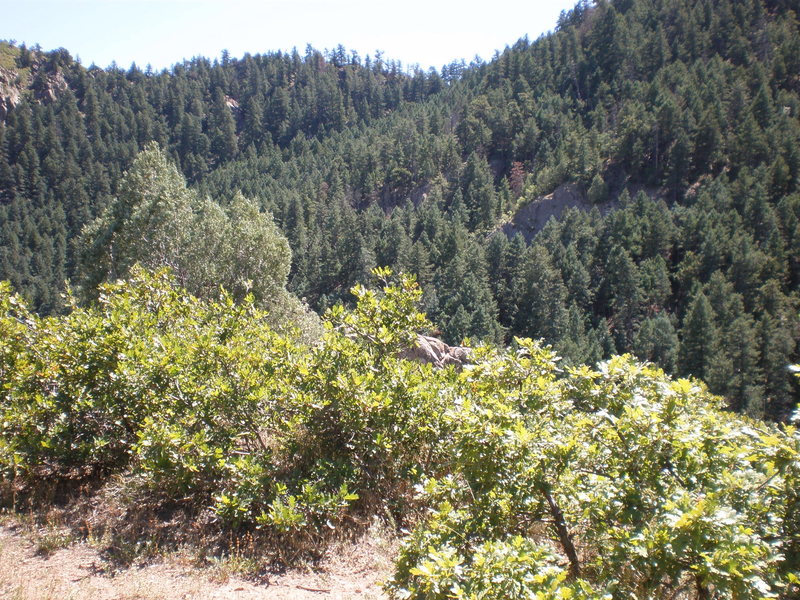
[163, 32]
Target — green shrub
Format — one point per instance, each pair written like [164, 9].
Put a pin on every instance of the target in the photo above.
[206, 401]
[641, 486]
[533, 481]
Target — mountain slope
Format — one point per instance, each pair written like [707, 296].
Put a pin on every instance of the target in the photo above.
[361, 164]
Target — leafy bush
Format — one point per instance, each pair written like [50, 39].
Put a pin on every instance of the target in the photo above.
[206, 400]
[532, 481]
[639, 486]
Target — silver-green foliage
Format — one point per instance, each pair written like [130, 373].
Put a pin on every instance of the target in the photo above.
[156, 221]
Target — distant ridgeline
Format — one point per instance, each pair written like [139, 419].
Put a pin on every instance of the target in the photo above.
[673, 124]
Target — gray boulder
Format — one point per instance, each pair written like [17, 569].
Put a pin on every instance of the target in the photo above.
[431, 350]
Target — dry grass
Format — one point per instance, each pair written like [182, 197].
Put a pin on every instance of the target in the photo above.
[8, 56]
[121, 539]
[8, 61]
[78, 570]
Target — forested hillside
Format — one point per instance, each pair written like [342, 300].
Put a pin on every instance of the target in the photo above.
[677, 121]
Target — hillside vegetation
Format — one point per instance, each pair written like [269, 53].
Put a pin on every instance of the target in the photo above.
[223, 366]
[678, 119]
[517, 477]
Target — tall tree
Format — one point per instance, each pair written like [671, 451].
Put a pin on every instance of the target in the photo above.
[699, 343]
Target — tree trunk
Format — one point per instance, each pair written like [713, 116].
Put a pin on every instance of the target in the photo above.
[563, 535]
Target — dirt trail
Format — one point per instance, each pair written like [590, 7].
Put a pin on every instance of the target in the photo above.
[77, 572]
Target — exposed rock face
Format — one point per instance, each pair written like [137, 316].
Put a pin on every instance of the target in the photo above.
[431, 350]
[234, 107]
[48, 92]
[9, 92]
[530, 219]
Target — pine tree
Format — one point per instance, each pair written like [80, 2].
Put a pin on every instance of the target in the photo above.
[656, 341]
[598, 191]
[741, 381]
[478, 192]
[540, 296]
[624, 292]
[147, 223]
[222, 129]
[699, 341]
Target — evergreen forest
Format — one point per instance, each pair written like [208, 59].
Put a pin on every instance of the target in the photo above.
[210, 274]
[672, 126]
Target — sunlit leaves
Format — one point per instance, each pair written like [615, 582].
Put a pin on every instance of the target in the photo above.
[659, 491]
[529, 481]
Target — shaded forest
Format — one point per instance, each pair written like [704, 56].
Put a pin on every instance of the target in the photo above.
[676, 122]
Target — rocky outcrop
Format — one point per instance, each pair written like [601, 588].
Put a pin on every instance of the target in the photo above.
[9, 92]
[530, 218]
[431, 350]
[49, 88]
[45, 87]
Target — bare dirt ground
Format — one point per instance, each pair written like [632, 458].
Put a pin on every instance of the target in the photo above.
[77, 571]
